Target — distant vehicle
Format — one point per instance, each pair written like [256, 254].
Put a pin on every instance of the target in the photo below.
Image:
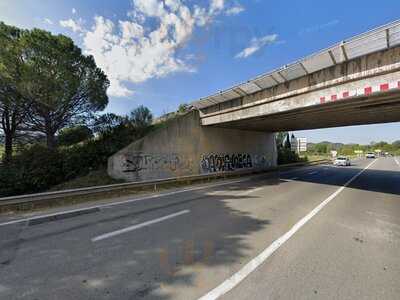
[342, 161]
[370, 155]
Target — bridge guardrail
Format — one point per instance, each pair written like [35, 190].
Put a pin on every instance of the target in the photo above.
[48, 196]
[378, 39]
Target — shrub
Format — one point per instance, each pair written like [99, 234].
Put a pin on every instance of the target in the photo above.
[37, 168]
[74, 135]
[32, 170]
[287, 156]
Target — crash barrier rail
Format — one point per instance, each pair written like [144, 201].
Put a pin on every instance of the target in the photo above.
[142, 185]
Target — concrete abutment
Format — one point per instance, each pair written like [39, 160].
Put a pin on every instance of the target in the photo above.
[183, 148]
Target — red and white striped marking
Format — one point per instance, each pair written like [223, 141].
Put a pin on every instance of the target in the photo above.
[366, 91]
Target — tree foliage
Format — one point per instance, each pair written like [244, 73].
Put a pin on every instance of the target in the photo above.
[13, 105]
[141, 117]
[66, 87]
[287, 144]
[74, 135]
[183, 108]
[321, 148]
[37, 168]
[280, 138]
[50, 92]
[349, 149]
[107, 122]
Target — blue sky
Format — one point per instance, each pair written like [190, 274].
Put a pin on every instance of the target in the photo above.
[163, 53]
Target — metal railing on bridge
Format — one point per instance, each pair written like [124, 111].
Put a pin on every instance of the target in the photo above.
[381, 38]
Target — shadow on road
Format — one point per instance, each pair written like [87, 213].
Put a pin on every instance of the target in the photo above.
[158, 262]
[151, 263]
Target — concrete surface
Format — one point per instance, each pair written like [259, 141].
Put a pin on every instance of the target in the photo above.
[185, 244]
[183, 147]
[296, 104]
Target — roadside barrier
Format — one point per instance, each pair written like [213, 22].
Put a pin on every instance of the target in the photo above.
[31, 201]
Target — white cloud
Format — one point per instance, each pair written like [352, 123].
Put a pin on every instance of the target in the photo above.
[234, 10]
[75, 26]
[256, 44]
[151, 8]
[73, 11]
[146, 45]
[48, 21]
[216, 5]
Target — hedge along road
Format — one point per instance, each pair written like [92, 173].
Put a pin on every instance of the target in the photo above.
[187, 245]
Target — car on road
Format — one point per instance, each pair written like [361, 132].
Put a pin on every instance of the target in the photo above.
[370, 155]
[342, 161]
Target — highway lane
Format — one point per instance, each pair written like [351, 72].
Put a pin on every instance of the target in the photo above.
[179, 246]
[349, 251]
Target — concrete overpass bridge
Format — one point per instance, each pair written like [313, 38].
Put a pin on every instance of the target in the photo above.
[354, 82]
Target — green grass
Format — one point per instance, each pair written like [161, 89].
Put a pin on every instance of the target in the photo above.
[312, 158]
[315, 157]
[94, 178]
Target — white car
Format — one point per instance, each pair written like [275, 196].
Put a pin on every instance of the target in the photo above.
[342, 161]
[370, 155]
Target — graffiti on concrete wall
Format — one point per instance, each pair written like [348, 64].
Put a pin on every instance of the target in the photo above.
[225, 162]
[141, 162]
[212, 163]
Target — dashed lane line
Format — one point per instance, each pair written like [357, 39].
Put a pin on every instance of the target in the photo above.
[138, 226]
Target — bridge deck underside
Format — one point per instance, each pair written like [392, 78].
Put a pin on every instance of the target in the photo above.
[364, 110]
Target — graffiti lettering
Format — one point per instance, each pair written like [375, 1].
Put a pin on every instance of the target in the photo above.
[225, 162]
[151, 162]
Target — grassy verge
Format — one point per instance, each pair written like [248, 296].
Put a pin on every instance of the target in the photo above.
[94, 178]
[312, 158]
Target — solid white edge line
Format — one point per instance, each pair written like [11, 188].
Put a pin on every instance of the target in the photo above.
[138, 226]
[123, 202]
[397, 162]
[235, 279]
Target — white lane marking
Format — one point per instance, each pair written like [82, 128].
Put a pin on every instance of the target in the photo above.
[250, 191]
[397, 162]
[236, 278]
[244, 193]
[138, 226]
[124, 202]
[290, 180]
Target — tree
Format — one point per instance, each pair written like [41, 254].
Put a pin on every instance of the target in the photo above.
[321, 148]
[74, 135]
[396, 144]
[183, 108]
[288, 145]
[66, 87]
[280, 137]
[107, 122]
[13, 105]
[141, 117]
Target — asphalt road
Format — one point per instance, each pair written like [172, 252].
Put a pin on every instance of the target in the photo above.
[319, 232]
